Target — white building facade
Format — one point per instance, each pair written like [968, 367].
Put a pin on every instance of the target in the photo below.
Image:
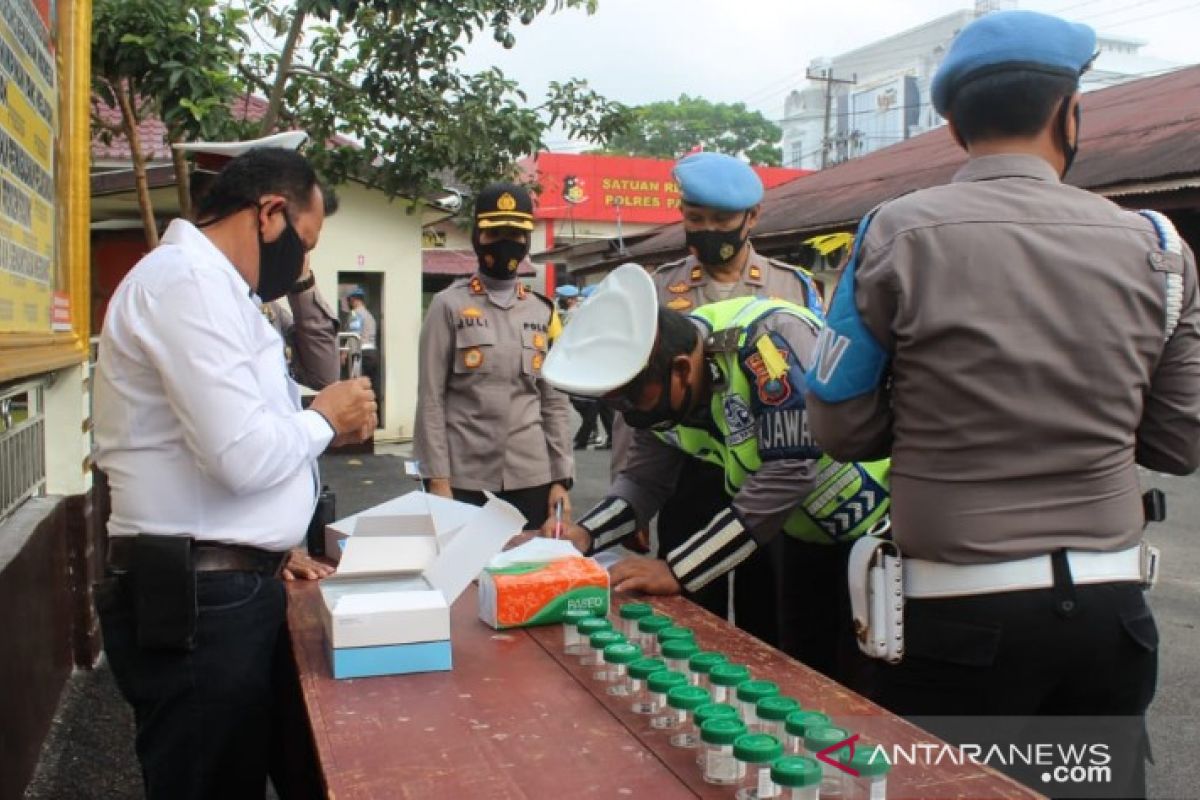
[879, 94]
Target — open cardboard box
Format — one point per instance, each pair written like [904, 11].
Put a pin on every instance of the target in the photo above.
[402, 565]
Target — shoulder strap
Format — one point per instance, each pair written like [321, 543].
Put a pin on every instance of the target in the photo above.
[1169, 241]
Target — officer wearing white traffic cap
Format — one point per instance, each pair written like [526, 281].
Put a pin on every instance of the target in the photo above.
[724, 385]
[307, 324]
[720, 205]
[486, 418]
[1019, 347]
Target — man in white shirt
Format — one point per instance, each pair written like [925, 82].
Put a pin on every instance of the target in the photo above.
[213, 471]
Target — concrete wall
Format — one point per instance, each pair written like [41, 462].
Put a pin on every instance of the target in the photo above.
[369, 234]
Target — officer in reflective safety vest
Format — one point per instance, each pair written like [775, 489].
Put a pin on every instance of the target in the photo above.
[725, 386]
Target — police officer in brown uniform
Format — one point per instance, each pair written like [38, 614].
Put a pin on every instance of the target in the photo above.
[486, 420]
[721, 196]
[1019, 347]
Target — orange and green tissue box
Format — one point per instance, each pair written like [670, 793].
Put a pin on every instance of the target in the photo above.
[521, 594]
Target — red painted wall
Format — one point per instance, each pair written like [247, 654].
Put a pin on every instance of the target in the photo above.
[642, 187]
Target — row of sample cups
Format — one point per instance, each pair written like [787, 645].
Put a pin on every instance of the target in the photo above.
[748, 736]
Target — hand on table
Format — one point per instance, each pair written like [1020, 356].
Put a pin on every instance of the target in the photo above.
[646, 575]
[440, 487]
[301, 566]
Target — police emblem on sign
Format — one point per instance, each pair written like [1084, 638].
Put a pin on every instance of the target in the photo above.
[738, 419]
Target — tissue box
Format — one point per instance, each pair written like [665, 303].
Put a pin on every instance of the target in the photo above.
[520, 595]
[402, 564]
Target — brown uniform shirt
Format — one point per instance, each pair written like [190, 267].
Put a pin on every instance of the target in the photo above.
[309, 329]
[684, 285]
[1024, 319]
[485, 418]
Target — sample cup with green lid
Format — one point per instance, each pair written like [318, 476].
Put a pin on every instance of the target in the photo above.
[627, 619]
[648, 628]
[756, 752]
[748, 695]
[639, 672]
[771, 712]
[818, 739]
[573, 643]
[685, 700]
[720, 766]
[704, 713]
[797, 777]
[660, 683]
[673, 633]
[797, 724]
[599, 641]
[618, 657]
[586, 628]
[871, 764]
[700, 664]
[677, 653]
[725, 678]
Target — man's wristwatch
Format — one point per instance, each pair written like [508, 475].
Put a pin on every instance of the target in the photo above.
[304, 284]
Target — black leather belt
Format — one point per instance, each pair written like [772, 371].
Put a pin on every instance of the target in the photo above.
[206, 557]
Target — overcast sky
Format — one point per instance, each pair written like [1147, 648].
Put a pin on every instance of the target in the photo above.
[756, 51]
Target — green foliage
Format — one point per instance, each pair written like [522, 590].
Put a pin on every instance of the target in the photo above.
[671, 128]
[174, 57]
[385, 74]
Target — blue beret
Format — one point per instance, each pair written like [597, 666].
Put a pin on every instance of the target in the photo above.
[1013, 40]
[587, 290]
[567, 290]
[718, 181]
[357, 292]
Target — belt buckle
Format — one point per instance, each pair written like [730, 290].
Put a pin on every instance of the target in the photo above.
[1148, 558]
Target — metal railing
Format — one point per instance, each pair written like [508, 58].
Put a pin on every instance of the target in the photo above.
[22, 444]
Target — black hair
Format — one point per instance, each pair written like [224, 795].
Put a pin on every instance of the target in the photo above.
[1017, 103]
[677, 336]
[263, 170]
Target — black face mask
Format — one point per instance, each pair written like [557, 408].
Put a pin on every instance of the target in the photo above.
[715, 248]
[662, 417]
[279, 262]
[500, 259]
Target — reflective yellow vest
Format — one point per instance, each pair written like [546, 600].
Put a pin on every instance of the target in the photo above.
[848, 499]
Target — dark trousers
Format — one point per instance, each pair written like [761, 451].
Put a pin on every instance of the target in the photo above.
[1050, 664]
[699, 495]
[205, 717]
[531, 502]
[813, 602]
[370, 370]
[590, 410]
[790, 594]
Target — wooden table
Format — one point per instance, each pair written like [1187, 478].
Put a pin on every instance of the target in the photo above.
[517, 719]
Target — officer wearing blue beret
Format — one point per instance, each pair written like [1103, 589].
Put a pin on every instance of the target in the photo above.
[721, 198]
[1019, 347]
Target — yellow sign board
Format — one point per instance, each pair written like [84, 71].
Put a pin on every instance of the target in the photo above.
[28, 129]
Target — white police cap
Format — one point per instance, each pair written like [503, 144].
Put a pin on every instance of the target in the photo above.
[608, 339]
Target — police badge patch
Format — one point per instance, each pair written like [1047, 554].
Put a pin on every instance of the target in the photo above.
[738, 419]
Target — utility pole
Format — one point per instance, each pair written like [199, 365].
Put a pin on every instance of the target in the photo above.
[826, 76]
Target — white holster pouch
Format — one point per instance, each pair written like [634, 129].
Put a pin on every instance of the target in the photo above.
[876, 579]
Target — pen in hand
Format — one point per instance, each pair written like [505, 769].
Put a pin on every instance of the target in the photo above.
[558, 511]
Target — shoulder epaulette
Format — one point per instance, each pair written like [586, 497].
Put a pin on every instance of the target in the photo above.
[669, 265]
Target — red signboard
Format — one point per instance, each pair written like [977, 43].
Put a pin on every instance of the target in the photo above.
[587, 187]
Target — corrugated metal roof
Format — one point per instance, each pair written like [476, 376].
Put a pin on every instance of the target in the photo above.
[1135, 133]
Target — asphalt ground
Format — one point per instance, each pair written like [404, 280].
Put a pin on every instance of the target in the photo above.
[89, 752]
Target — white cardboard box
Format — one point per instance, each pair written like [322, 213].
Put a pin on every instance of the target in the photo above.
[402, 565]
